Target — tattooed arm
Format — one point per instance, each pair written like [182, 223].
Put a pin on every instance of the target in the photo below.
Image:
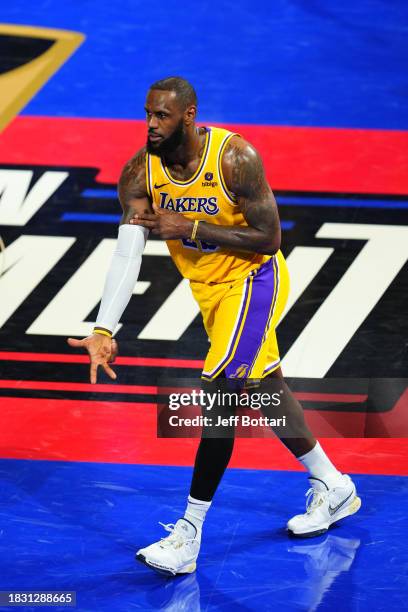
[132, 188]
[244, 175]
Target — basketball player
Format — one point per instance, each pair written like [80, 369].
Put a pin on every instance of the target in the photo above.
[204, 191]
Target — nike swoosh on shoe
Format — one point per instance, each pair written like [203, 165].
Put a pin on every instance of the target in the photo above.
[336, 508]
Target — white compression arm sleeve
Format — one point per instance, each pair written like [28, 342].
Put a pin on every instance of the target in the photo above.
[122, 275]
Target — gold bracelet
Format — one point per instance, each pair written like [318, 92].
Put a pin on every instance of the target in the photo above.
[195, 227]
[102, 332]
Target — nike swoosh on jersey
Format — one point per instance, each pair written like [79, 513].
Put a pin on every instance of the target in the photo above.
[158, 186]
[334, 510]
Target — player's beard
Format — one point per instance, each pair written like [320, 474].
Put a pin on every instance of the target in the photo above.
[168, 145]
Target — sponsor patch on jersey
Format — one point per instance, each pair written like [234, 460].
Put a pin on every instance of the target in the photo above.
[209, 182]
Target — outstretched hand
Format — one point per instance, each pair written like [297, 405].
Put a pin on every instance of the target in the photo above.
[102, 351]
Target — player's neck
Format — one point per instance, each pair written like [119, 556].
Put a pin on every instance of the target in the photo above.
[188, 150]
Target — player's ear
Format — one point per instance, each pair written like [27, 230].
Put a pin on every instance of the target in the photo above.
[190, 114]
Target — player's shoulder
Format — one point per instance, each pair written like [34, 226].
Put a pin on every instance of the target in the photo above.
[133, 175]
[239, 154]
[136, 163]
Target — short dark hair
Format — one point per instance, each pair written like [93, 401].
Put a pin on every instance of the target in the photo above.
[185, 92]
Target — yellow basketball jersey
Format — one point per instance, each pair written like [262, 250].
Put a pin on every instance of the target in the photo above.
[205, 197]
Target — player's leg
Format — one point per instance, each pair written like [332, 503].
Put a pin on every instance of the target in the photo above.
[332, 495]
[178, 552]
[212, 458]
[296, 435]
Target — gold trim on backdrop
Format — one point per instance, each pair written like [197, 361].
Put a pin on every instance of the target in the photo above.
[19, 85]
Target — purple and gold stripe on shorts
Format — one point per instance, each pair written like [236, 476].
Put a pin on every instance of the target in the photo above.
[252, 324]
[237, 330]
[272, 308]
[271, 367]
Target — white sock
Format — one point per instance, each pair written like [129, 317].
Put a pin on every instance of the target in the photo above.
[196, 511]
[319, 465]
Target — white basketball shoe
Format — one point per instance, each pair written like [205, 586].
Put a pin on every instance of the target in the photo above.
[325, 506]
[175, 554]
